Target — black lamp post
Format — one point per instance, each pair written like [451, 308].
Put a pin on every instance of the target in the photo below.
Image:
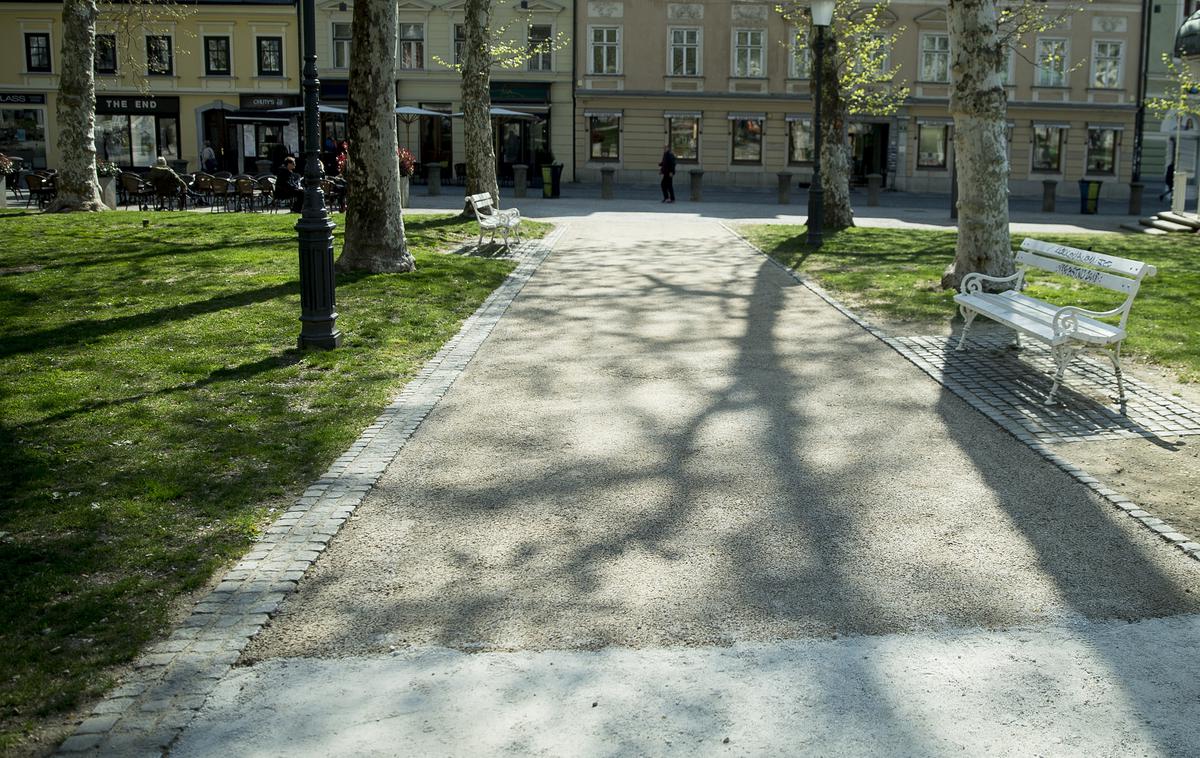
[318, 317]
[822, 16]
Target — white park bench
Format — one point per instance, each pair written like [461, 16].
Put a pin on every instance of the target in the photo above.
[1066, 329]
[492, 219]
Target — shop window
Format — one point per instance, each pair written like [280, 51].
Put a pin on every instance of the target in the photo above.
[684, 134]
[605, 137]
[749, 53]
[216, 56]
[935, 58]
[341, 44]
[138, 140]
[37, 52]
[540, 56]
[1051, 62]
[460, 43]
[1106, 64]
[106, 54]
[605, 44]
[412, 46]
[931, 145]
[270, 56]
[1047, 148]
[800, 141]
[747, 140]
[266, 136]
[160, 58]
[799, 54]
[1101, 151]
[685, 52]
[23, 133]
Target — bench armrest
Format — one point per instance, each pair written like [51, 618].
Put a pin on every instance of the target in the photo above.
[973, 282]
[1066, 319]
[509, 213]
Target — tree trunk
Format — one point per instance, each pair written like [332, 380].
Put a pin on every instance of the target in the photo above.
[835, 147]
[374, 239]
[78, 187]
[979, 105]
[477, 102]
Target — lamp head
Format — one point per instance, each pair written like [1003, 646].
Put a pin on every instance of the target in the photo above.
[822, 12]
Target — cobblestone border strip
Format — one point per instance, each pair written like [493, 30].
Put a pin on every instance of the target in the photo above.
[172, 678]
[1159, 527]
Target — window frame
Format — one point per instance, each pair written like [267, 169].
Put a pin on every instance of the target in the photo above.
[697, 49]
[617, 45]
[737, 49]
[697, 130]
[791, 148]
[1038, 68]
[592, 142]
[1120, 58]
[945, 147]
[1033, 167]
[170, 39]
[733, 135]
[107, 71]
[458, 44]
[546, 57]
[258, 56]
[337, 43]
[922, 52]
[417, 45]
[1116, 146]
[798, 52]
[29, 67]
[208, 69]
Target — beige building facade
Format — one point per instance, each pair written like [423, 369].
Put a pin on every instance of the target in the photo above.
[723, 82]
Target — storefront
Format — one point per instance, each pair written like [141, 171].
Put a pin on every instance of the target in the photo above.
[23, 127]
[262, 134]
[522, 140]
[133, 131]
[333, 125]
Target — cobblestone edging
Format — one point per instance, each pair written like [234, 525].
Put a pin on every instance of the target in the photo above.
[172, 678]
[1164, 530]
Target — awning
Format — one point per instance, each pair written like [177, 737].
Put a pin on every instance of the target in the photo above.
[934, 120]
[604, 114]
[1050, 125]
[1113, 127]
[260, 117]
[682, 114]
[747, 117]
[799, 117]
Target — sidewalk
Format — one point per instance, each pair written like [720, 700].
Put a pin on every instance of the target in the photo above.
[676, 498]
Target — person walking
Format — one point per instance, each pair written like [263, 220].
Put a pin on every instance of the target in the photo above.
[666, 167]
[1170, 180]
[208, 158]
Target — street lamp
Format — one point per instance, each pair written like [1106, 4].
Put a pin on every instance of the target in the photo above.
[318, 319]
[822, 16]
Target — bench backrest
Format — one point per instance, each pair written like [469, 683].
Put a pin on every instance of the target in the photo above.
[482, 203]
[1108, 271]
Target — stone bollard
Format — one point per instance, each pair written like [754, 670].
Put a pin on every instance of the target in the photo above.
[606, 183]
[433, 178]
[783, 193]
[108, 191]
[874, 182]
[1179, 192]
[520, 179]
[1135, 198]
[697, 186]
[1048, 188]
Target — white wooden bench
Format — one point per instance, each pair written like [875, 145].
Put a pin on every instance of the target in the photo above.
[493, 219]
[1066, 329]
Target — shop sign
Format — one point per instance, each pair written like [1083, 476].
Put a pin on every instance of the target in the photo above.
[111, 105]
[519, 92]
[22, 98]
[268, 102]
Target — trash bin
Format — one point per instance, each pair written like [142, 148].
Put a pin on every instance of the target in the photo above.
[1089, 195]
[552, 180]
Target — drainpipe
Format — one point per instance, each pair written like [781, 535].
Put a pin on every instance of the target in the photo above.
[1139, 124]
[574, 95]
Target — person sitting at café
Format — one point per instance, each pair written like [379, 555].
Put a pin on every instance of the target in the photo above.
[289, 185]
[167, 184]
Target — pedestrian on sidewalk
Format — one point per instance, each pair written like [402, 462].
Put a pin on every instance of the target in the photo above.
[666, 167]
[1170, 180]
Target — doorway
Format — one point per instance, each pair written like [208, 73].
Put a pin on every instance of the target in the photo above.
[223, 137]
[868, 151]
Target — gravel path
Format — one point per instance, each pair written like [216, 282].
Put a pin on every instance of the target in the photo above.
[667, 442]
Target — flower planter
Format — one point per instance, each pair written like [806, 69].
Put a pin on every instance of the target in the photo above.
[108, 191]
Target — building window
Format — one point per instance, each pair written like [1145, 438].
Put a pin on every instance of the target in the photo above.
[1106, 64]
[412, 46]
[935, 57]
[605, 135]
[270, 56]
[106, 53]
[37, 52]
[684, 134]
[747, 140]
[931, 145]
[1051, 63]
[1047, 148]
[160, 58]
[1006, 74]
[341, 44]
[881, 64]
[540, 56]
[606, 49]
[23, 133]
[749, 48]
[800, 141]
[685, 52]
[799, 55]
[1102, 151]
[136, 140]
[460, 43]
[216, 56]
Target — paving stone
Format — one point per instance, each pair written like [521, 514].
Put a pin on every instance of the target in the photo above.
[78, 743]
[98, 724]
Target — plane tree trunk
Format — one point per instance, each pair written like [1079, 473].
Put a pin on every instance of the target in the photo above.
[477, 102]
[78, 187]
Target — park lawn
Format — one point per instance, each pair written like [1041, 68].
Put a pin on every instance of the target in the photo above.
[895, 274]
[154, 413]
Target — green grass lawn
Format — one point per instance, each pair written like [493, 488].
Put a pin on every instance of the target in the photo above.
[154, 412]
[895, 274]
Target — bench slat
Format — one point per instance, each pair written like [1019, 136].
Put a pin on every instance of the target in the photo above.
[1088, 258]
[1036, 318]
[1087, 275]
